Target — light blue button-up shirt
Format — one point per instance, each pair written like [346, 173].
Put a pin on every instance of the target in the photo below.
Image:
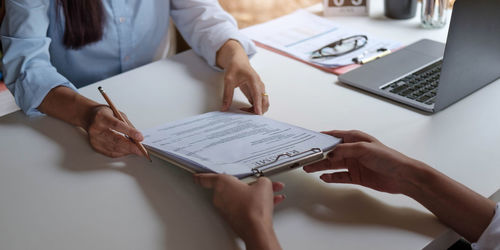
[36, 61]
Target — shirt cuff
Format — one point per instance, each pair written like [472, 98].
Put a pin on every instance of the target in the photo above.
[245, 42]
[490, 239]
[30, 89]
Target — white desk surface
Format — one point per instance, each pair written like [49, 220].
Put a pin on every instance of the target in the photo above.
[56, 193]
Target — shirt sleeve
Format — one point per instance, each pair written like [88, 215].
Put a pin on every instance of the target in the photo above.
[29, 74]
[206, 27]
[490, 239]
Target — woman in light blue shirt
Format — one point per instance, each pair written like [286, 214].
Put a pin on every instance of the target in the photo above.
[53, 47]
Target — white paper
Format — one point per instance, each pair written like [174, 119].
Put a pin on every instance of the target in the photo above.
[301, 33]
[233, 143]
[7, 102]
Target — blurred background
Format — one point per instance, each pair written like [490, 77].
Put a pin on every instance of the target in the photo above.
[250, 12]
[247, 13]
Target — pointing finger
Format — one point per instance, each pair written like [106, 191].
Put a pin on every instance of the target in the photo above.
[338, 177]
[227, 99]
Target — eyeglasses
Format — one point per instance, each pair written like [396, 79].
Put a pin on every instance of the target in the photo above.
[340, 47]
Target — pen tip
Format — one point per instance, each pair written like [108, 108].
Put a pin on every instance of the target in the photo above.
[99, 88]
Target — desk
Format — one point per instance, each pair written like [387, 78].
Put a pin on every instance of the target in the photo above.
[56, 193]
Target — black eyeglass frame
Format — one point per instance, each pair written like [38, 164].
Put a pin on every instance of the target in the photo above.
[357, 39]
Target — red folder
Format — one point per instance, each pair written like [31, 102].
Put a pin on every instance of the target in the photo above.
[338, 71]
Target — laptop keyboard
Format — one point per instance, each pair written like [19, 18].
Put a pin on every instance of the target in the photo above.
[420, 86]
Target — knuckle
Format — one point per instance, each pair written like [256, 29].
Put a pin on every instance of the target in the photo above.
[229, 78]
[355, 132]
[115, 123]
[260, 83]
[100, 112]
[265, 181]
[362, 146]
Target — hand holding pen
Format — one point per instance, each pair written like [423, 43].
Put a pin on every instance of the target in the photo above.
[115, 123]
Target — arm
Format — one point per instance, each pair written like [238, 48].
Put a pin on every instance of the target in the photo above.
[213, 34]
[490, 239]
[247, 208]
[366, 161]
[37, 86]
[239, 73]
[467, 212]
[98, 120]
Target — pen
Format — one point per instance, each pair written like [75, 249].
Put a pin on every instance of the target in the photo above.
[381, 53]
[367, 60]
[120, 117]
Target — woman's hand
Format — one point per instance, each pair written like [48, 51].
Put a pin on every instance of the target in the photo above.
[107, 134]
[367, 162]
[247, 208]
[239, 73]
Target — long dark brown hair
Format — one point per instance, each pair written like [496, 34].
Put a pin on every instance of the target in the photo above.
[84, 22]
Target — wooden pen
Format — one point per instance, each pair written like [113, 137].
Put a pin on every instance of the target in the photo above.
[120, 117]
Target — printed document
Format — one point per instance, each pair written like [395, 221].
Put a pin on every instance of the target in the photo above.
[300, 33]
[233, 143]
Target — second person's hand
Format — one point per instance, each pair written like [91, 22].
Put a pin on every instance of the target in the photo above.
[363, 160]
[247, 208]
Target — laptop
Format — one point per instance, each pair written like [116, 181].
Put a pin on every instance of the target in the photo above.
[430, 75]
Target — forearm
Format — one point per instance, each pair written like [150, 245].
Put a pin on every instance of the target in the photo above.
[69, 106]
[465, 211]
[261, 237]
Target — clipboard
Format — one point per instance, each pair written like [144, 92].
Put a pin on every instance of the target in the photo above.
[240, 144]
[305, 158]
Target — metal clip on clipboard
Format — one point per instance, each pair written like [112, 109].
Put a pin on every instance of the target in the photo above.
[310, 156]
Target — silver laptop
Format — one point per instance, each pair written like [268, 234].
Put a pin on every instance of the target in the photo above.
[430, 75]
